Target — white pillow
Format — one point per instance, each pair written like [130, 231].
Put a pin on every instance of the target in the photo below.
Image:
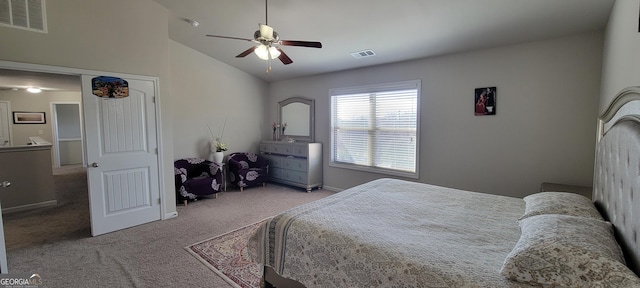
[559, 203]
[568, 251]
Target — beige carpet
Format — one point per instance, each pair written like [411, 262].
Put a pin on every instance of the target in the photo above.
[62, 252]
[227, 255]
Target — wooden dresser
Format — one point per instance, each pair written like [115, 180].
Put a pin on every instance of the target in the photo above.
[297, 164]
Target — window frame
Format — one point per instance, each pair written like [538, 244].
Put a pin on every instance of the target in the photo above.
[376, 88]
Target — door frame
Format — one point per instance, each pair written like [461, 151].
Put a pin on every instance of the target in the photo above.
[9, 122]
[56, 138]
[80, 72]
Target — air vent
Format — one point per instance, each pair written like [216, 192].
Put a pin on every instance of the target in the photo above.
[23, 14]
[363, 54]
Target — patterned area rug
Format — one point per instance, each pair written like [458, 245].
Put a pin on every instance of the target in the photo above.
[228, 257]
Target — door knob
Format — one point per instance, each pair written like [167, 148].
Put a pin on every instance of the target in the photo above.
[5, 184]
[94, 164]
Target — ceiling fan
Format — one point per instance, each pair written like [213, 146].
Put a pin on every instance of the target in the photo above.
[267, 41]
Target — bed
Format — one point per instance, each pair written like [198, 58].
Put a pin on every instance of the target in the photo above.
[395, 233]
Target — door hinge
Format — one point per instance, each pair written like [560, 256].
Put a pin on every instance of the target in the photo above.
[156, 150]
[153, 99]
[159, 201]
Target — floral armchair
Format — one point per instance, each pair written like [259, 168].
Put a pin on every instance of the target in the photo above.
[195, 178]
[247, 169]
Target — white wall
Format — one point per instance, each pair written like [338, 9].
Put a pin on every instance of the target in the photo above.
[621, 60]
[208, 92]
[547, 97]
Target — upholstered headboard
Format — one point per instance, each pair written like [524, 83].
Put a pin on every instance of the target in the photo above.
[617, 171]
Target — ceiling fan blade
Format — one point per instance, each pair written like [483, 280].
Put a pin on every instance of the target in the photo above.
[246, 52]
[284, 58]
[311, 44]
[229, 37]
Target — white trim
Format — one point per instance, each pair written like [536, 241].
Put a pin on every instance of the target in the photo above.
[29, 206]
[331, 188]
[9, 121]
[170, 215]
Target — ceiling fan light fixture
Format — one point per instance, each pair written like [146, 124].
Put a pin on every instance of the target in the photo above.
[266, 31]
[263, 52]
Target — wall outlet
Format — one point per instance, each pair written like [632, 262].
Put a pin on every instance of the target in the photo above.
[40, 132]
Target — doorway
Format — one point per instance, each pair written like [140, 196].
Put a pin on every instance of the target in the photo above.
[148, 174]
[68, 146]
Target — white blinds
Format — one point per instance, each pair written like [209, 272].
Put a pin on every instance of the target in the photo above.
[377, 127]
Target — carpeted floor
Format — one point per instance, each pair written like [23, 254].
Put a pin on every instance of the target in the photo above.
[56, 242]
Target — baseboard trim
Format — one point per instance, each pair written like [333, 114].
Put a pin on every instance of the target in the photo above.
[332, 189]
[29, 206]
[170, 215]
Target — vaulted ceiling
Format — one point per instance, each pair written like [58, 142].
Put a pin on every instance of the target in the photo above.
[395, 30]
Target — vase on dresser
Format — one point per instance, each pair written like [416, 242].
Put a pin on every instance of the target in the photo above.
[217, 157]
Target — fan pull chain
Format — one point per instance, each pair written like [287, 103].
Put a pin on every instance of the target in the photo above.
[269, 68]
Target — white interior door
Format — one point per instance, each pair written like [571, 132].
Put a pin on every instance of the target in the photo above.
[5, 121]
[122, 157]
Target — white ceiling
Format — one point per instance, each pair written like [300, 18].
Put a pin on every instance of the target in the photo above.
[395, 30]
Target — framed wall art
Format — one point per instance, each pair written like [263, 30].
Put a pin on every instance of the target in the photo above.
[485, 101]
[29, 118]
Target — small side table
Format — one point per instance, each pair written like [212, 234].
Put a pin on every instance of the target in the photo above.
[556, 187]
[224, 176]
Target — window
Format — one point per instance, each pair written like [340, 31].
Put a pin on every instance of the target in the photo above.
[23, 14]
[375, 128]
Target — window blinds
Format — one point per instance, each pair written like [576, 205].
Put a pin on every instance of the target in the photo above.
[376, 126]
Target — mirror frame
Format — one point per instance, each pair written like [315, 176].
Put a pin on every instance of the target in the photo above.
[307, 101]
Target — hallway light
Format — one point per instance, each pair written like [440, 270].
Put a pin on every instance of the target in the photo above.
[34, 90]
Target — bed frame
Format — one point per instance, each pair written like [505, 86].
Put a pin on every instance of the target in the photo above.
[616, 178]
[617, 171]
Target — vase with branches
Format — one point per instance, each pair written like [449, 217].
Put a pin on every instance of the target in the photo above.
[216, 145]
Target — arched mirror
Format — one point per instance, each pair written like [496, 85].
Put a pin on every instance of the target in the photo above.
[298, 114]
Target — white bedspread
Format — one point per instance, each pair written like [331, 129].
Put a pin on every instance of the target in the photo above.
[393, 233]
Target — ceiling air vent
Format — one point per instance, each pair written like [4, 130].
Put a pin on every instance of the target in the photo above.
[23, 14]
[363, 54]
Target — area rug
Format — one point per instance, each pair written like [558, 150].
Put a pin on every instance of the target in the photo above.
[227, 256]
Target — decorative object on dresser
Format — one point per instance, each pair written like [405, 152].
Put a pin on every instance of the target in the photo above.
[247, 169]
[296, 164]
[195, 178]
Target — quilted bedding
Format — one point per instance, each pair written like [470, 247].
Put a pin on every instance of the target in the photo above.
[393, 233]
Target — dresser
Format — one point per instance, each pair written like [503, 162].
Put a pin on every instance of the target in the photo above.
[297, 164]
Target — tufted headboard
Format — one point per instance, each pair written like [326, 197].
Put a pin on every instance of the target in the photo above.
[617, 171]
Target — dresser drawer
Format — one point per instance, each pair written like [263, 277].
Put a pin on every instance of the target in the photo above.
[274, 161]
[295, 176]
[295, 164]
[276, 173]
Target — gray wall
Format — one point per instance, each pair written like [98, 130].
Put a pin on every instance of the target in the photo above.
[206, 92]
[547, 97]
[621, 60]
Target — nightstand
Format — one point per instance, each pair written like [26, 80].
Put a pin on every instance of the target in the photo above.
[556, 187]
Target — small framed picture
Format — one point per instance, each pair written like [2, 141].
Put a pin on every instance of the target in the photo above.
[29, 118]
[485, 101]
